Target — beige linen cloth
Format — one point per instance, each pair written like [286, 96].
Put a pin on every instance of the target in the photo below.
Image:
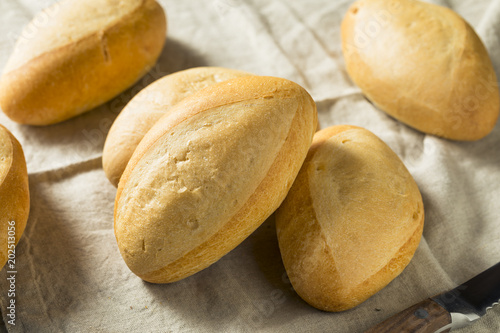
[71, 277]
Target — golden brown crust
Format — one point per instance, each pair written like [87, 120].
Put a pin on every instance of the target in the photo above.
[73, 78]
[423, 65]
[260, 127]
[222, 94]
[14, 191]
[149, 105]
[341, 246]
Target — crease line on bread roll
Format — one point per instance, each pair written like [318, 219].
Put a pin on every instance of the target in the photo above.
[175, 120]
[14, 63]
[148, 106]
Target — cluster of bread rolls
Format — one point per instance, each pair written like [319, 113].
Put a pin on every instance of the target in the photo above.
[203, 156]
[85, 54]
[209, 172]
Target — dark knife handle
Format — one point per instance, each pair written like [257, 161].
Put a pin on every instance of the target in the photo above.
[424, 317]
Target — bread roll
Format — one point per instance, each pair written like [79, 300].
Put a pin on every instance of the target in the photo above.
[86, 53]
[423, 65]
[142, 112]
[207, 175]
[351, 221]
[14, 193]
